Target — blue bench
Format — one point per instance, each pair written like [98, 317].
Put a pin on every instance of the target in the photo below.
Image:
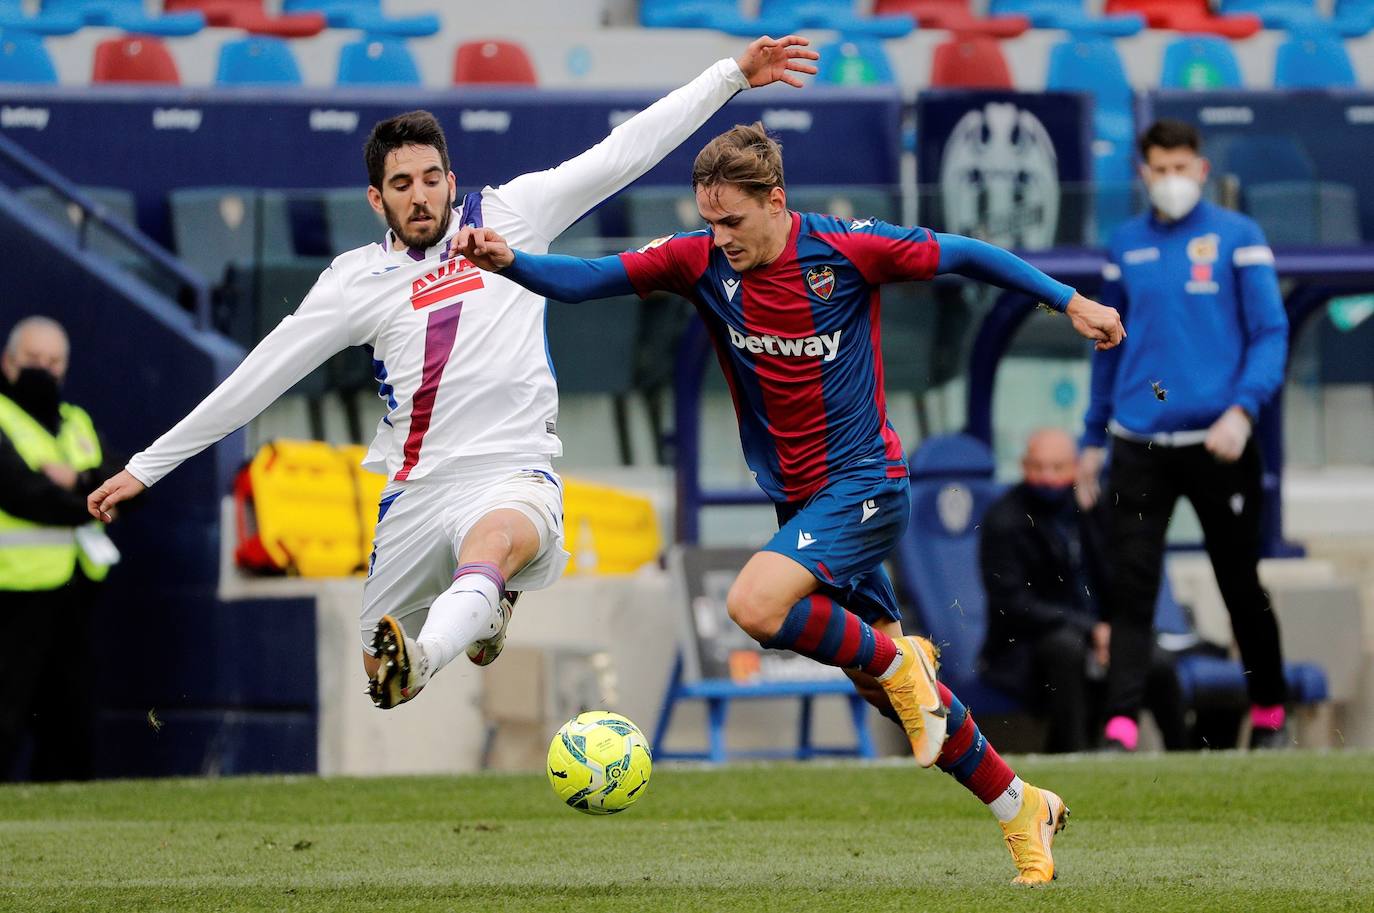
[717, 693]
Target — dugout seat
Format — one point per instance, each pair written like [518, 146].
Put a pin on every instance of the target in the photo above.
[296, 509]
[493, 63]
[349, 220]
[127, 15]
[367, 489]
[607, 530]
[134, 58]
[377, 62]
[854, 62]
[251, 17]
[257, 61]
[970, 62]
[24, 59]
[1305, 212]
[1200, 62]
[117, 202]
[1313, 60]
[367, 17]
[213, 227]
[954, 16]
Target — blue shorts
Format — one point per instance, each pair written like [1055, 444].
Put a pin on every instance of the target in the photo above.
[841, 534]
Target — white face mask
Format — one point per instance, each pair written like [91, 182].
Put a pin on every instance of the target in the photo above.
[1175, 195]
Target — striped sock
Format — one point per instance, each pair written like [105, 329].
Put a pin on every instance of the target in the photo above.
[826, 631]
[465, 612]
[970, 759]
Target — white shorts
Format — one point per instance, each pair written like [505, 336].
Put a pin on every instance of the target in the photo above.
[421, 527]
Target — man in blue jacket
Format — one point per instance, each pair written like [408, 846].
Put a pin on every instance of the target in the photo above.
[1196, 287]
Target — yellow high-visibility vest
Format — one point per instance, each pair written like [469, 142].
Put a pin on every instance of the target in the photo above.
[34, 556]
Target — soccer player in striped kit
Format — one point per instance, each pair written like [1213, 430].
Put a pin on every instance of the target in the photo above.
[791, 302]
[473, 510]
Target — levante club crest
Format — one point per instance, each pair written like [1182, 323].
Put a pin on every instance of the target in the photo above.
[822, 281]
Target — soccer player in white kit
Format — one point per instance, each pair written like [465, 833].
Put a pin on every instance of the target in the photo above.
[473, 510]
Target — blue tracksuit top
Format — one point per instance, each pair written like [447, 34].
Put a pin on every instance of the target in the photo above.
[1204, 321]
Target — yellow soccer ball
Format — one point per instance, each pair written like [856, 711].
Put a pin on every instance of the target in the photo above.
[599, 763]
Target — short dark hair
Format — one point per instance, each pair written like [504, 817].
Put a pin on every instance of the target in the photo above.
[414, 128]
[1169, 134]
[745, 156]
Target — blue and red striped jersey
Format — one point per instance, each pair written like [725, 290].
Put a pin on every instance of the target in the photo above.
[798, 340]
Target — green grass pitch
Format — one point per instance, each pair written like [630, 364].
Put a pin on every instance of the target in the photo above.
[1197, 833]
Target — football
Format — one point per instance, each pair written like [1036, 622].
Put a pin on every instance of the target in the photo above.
[599, 763]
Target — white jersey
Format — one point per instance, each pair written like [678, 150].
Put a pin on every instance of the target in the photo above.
[460, 353]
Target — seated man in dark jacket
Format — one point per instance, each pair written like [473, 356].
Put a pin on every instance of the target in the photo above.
[1042, 567]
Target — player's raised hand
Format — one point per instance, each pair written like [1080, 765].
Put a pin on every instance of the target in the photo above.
[1096, 321]
[484, 247]
[770, 60]
[121, 487]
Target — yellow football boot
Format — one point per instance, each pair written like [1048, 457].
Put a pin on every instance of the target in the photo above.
[1030, 834]
[913, 694]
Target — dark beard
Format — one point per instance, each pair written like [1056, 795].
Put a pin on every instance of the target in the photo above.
[426, 239]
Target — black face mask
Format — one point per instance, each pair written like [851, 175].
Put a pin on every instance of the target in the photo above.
[38, 393]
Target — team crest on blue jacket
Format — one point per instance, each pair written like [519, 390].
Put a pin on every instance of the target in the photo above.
[822, 281]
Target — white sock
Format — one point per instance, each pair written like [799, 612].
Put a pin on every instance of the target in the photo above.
[1008, 805]
[896, 664]
[465, 612]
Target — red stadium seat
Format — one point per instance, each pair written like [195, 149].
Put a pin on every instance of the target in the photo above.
[493, 62]
[1191, 16]
[134, 58]
[970, 62]
[954, 16]
[250, 16]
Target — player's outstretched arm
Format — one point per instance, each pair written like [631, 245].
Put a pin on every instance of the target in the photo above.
[562, 278]
[120, 487]
[552, 200]
[987, 263]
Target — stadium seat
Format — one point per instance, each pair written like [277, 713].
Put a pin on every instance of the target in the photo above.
[24, 59]
[349, 220]
[836, 15]
[377, 62]
[213, 227]
[854, 62]
[970, 62]
[954, 16]
[493, 62]
[127, 15]
[1200, 62]
[622, 527]
[1296, 15]
[367, 16]
[937, 560]
[134, 58]
[116, 201]
[257, 62]
[1353, 17]
[1260, 158]
[1069, 16]
[1312, 60]
[250, 16]
[1305, 212]
[14, 19]
[1192, 16]
[721, 15]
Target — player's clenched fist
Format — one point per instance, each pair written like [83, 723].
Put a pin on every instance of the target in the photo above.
[121, 487]
[484, 247]
[769, 60]
[1096, 321]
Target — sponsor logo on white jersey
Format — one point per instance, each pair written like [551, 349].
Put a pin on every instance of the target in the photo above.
[827, 346]
[453, 278]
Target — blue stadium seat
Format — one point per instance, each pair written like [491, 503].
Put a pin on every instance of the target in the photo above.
[838, 15]
[721, 15]
[1301, 15]
[257, 61]
[1353, 17]
[854, 62]
[937, 560]
[367, 16]
[1068, 15]
[127, 15]
[1312, 60]
[23, 58]
[1200, 62]
[12, 17]
[377, 61]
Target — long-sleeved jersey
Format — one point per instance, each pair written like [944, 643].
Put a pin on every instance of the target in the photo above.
[1205, 325]
[459, 354]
